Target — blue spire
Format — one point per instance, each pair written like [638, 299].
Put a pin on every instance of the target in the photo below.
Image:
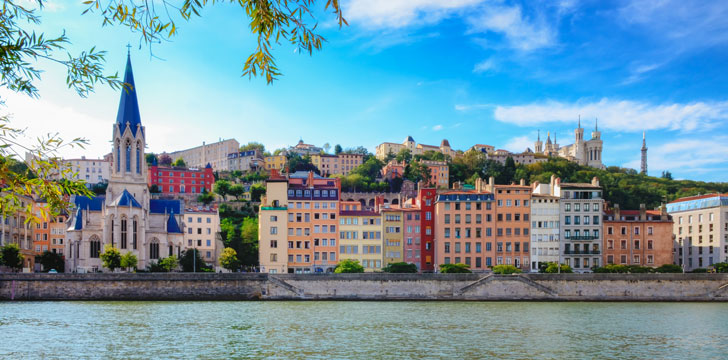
[128, 105]
[172, 225]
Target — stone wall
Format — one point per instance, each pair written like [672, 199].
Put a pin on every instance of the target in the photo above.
[541, 287]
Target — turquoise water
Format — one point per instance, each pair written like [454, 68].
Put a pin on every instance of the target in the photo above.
[363, 330]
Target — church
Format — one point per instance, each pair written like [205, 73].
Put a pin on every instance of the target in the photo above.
[583, 152]
[126, 217]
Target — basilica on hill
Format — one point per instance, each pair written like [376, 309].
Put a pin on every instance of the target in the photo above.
[583, 152]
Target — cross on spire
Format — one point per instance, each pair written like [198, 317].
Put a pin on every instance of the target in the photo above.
[128, 49]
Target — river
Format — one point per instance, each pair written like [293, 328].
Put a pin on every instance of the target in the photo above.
[363, 330]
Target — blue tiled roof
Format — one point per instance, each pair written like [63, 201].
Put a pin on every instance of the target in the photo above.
[161, 206]
[95, 203]
[77, 221]
[304, 174]
[172, 225]
[126, 199]
[128, 105]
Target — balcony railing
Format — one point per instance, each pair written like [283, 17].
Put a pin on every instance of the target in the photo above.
[582, 252]
[582, 237]
[274, 208]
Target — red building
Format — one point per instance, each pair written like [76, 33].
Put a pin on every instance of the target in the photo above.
[426, 201]
[180, 180]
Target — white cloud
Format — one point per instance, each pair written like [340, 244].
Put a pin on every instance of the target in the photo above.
[685, 156]
[522, 33]
[519, 144]
[639, 72]
[485, 66]
[437, 128]
[619, 115]
[402, 13]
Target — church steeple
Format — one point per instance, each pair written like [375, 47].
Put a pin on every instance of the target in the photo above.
[128, 105]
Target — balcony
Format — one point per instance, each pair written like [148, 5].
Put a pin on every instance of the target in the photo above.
[582, 238]
[582, 252]
[274, 208]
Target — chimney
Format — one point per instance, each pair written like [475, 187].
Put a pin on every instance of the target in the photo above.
[663, 211]
[491, 184]
[310, 179]
[534, 185]
[595, 181]
[617, 215]
[643, 212]
[523, 182]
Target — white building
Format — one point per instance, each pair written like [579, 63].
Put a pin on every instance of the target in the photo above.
[92, 171]
[580, 223]
[216, 154]
[126, 218]
[545, 230]
[203, 229]
[700, 230]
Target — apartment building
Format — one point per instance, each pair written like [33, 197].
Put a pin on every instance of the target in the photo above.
[92, 171]
[438, 170]
[512, 236]
[581, 226]
[392, 221]
[311, 223]
[272, 225]
[174, 180]
[58, 233]
[360, 235]
[340, 164]
[638, 237]
[41, 229]
[13, 229]
[464, 228]
[245, 161]
[275, 162]
[545, 231]
[215, 154]
[202, 232]
[385, 149]
[700, 230]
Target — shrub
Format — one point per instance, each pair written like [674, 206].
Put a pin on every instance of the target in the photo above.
[458, 268]
[111, 258]
[400, 267]
[51, 260]
[348, 266]
[669, 268]
[700, 270]
[229, 259]
[553, 268]
[129, 261]
[721, 267]
[624, 269]
[11, 256]
[506, 269]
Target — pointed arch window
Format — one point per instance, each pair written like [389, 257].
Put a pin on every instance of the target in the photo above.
[118, 156]
[128, 156]
[154, 249]
[123, 233]
[112, 232]
[138, 159]
[94, 247]
[134, 234]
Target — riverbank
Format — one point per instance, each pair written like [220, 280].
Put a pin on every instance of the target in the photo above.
[479, 287]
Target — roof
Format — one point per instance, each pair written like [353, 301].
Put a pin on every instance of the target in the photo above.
[697, 197]
[77, 223]
[304, 174]
[126, 199]
[162, 206]
[409, 138]
[580, 186]
[172, 225]
[128, 104]
[445, 143]
[95, 203]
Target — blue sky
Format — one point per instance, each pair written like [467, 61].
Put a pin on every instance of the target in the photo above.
[488, 72]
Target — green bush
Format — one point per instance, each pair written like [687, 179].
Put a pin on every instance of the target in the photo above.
[111, 257]
[700, 271]
[624, 269]
[129, 261]
[11, 256]
[51, 260]
[458, 268]
[348, 266]
[506, 269]
[669, 268]
[400, 267]
[721, 267]
[553, 268]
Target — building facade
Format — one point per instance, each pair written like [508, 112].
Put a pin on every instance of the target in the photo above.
[360, 235]
[275, 162]
[272, 226]
[181, 180]
[392, 221]
[215, 154]
[385, 149]
[545, 230]
[438, 170]
[583, 152]
[638, 237]
[340, 164]
[245, 161]
[581, 226]
[14, 229]
[126, 217]
[203, 233]
[512, 235]
[700, 230]
[304, 149]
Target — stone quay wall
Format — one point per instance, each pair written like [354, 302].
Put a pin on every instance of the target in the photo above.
[379, 286]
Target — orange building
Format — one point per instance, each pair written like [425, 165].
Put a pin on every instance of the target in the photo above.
[312, 222]
[465, 228]
[42, 229]
[513, 211]
[438, 170]
[58, 233]
[638, 237]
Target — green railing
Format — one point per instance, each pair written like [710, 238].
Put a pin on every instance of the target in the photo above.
[274, 208]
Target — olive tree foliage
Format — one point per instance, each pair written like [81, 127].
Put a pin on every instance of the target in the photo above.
[273, 21]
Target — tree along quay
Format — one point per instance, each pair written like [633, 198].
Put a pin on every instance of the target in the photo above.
[379, 286]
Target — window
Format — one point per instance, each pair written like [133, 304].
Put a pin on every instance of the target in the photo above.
[94, 247]
[154, 250]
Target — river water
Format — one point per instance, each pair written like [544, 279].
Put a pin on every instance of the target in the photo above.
[363, 330]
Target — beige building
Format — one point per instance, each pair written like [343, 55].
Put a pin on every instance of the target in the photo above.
[700, 230]
[216, 154]
[386, 148]
[583, 152]
[582, 240]
[92, 171]
[272, 226]
[14, 229]
[340, 164]
[202, 233]
[393, 234]
[360, 235]
[245, 161]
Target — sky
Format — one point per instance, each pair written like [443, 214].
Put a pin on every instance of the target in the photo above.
[471, 71]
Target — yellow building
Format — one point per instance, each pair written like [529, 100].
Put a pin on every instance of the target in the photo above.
[277, 162]
[393, 236]
[360, 235]
[272, 227]
[340, 164]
